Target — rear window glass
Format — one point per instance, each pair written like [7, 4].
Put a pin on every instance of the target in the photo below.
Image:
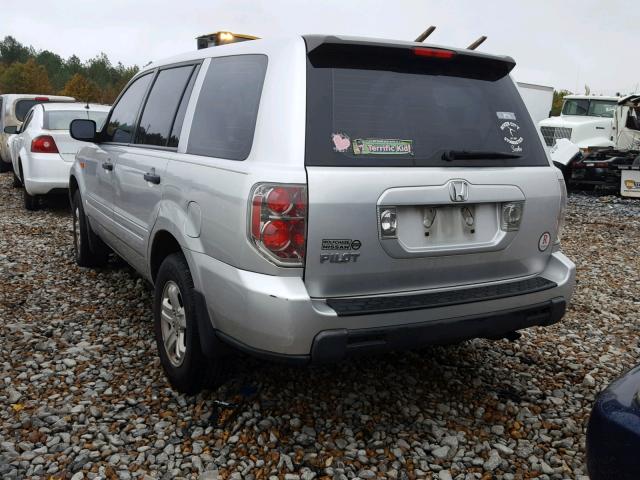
[23, 107]
[225, 117]
[371, 117]
[61, 120]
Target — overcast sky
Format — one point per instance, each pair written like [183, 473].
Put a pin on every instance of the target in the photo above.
[563, 44]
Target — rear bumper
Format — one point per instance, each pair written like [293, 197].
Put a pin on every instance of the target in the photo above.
[274, 317]
[44, 172]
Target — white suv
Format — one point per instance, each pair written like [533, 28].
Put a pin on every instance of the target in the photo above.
[310, 198]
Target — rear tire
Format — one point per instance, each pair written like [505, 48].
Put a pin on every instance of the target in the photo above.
[176, 329]
[31, 202]
[89, 249]
[4, 166]
[16, 181]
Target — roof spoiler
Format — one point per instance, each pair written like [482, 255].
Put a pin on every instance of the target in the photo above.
[372, 54]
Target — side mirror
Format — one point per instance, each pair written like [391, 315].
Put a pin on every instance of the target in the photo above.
[11, 130]
[83, 130]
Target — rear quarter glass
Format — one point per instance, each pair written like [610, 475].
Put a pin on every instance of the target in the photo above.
[376, 117]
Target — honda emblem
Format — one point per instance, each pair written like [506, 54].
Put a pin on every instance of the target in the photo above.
[459, 191]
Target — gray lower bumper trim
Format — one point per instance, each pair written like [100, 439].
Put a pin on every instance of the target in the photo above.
[333, 345]
[345, 307]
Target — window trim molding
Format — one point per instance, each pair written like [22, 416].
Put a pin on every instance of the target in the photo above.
[155, 72]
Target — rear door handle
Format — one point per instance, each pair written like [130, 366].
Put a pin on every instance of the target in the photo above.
[107, 166]
[152, 177]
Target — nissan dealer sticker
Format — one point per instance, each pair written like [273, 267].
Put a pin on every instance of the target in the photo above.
[544, 241]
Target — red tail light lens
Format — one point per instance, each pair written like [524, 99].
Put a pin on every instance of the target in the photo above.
[434, 53]
[42, 99]
[278, 222]
[279, 200]
[44, 144]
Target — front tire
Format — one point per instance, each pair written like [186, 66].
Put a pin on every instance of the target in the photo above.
[89, 250]
[176, 329]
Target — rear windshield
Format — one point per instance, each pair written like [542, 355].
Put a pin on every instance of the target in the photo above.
[371, 117]
[23, 107]
[61, 120]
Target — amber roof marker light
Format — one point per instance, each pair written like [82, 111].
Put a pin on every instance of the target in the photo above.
[222, 37]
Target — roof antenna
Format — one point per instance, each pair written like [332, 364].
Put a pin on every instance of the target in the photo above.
[477, 43]
[425, 34]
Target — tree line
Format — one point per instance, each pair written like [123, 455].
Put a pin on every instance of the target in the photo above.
[24, 69]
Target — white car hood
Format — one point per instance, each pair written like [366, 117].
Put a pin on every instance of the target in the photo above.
[571, 121]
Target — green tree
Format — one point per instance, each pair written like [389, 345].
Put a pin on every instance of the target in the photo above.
[25, 70]
[12, 51]
[55, 68]
[28, 77]
[558, 98]
[82, 89]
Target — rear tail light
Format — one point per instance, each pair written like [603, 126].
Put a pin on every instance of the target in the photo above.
[278, 222]
[563, 208]
[42, 99]
[434, 53]
[44, 144]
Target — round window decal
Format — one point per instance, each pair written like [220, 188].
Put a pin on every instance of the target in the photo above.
[544, 241]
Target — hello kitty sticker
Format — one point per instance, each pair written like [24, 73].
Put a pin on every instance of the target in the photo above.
[341, 142]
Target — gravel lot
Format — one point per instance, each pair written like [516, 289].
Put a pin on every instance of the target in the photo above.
[83, 395]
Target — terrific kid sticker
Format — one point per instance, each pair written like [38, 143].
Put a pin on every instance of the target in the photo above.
[382, 146]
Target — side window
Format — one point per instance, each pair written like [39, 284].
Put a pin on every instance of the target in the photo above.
[225, 117]
[124, 114]
[162, 105]
[182, 109]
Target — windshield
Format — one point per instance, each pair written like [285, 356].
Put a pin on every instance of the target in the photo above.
[60, 120]
[589, 108]
[366, 117]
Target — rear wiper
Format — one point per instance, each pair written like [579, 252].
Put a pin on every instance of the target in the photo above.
[450, 155]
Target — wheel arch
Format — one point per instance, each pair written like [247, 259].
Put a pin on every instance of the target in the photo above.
[165, 242]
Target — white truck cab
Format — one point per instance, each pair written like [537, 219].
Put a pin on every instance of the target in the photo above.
[585, 120]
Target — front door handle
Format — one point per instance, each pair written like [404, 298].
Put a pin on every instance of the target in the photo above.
[152, 177]
[107, 166]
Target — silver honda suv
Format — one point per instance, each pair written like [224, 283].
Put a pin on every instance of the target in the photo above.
[310, 198]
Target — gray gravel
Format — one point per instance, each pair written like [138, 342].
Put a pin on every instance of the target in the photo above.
[83, 395]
